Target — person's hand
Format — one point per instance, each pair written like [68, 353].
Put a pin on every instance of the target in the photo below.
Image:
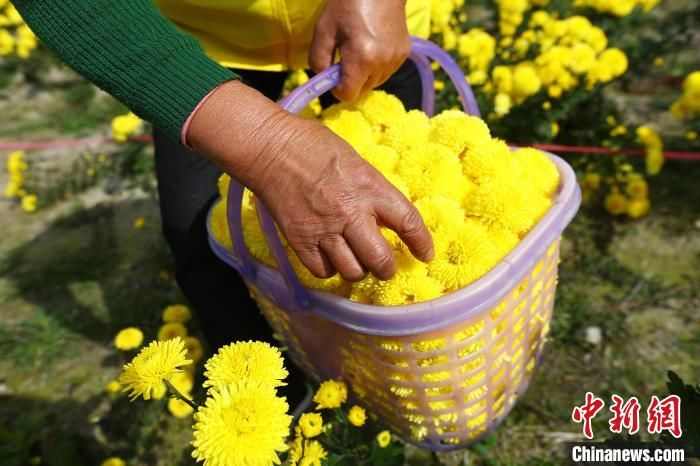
[371, 37]
[328, 202]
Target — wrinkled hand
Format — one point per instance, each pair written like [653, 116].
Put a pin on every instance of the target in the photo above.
[328, 202]
[371, 37]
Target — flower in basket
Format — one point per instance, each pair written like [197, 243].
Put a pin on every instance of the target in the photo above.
[477, 197]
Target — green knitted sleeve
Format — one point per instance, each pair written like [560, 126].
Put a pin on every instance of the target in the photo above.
[129, 49]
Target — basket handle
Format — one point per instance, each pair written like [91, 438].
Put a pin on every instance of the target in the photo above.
[297, 100]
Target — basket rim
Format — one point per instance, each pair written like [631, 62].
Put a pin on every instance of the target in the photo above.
[443, 311]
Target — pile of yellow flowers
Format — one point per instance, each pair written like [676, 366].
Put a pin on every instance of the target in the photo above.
[16, 166]
[617, 7]
[477, 198]
[15, 36]
[688, 104]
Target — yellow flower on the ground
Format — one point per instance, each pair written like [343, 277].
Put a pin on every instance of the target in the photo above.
[194, 348]
[159, 361]
[331, 394]
[357, 416]
[384, 438]
[29, 203]
[16, 163]
[311, 424]
[113, 461]
[591, 181]
[244, 423]
[171, 330]
[314, 454]
[691, 135]
[124, 126]
[654, 161]
[179, 408]
[176, 313]
[128, 339]
[241, 360]
[139, 223]
[637, 208]
[113, 387]
[638, 189]
[554, 128]
[615, 203]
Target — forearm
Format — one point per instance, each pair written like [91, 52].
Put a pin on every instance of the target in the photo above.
[127, 48]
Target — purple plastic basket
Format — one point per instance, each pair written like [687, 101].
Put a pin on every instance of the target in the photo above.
[442, 373]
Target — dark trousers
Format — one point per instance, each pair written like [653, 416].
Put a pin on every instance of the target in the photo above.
[187, 188]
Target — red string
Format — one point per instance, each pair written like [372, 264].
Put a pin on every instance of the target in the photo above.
[556, 148]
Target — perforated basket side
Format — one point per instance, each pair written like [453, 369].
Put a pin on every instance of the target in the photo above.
[443, 389]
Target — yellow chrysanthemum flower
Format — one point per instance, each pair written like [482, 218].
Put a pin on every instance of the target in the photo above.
[637, 208]
[29, 203]
[113, 387]
[489, 158]
[352, 127]
[638, 189]
[463, 253]
[159, 361]
[438, 211]
[314, 454]
[410, 130]
[219, 225]
[383, 158]
[433, 169]
[308, 279]
[331, 394]
[615, 203]
[537, 170]
[194, 348]
[128, 339]
[253, 236]
[249, 360]
[176, 313]
[457, 130]
[171, 330]
[384, 438]
[407, 287]
[504, 240]
[296, 447]
[357, 416]
[244, 423]
[222, 185]
[124, 126]
[516, 207]
[380, 108]
[113, 461]
[311, 424]
[179, 408]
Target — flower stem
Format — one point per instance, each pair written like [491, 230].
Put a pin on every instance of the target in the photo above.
[179, 395]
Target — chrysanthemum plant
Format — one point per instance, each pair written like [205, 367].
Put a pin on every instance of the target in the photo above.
[540, 68]
[244, 421]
